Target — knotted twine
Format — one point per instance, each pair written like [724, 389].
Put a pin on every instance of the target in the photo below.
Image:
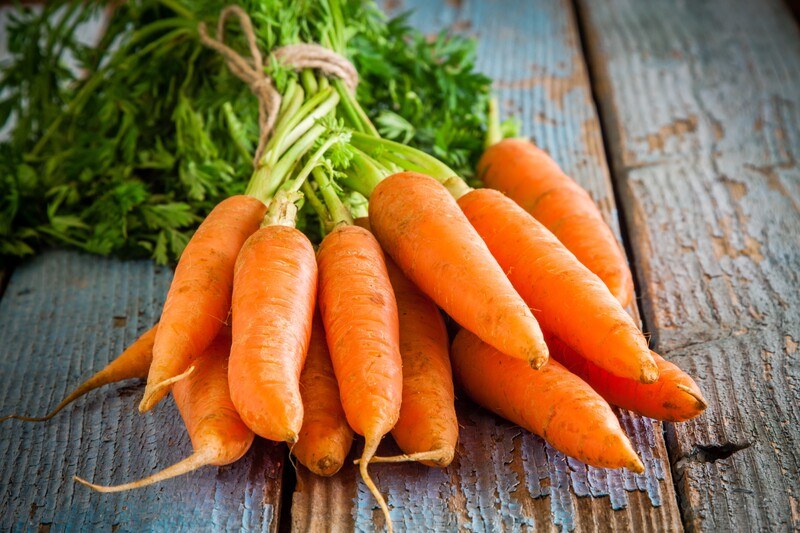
[296, 56]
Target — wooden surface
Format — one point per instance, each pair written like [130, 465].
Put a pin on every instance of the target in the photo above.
[64, 316]
[503, 477]
[701, 103]
[700, 107]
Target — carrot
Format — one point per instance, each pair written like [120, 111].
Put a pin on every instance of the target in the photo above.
[551, 402]
[218, 435]
[675, 397]
[134, 362]
[199, 299]
[421, 227]
[566, 297]
[527, 175]
[325, 438]
[274, 290]
[359, 312]
[427, 429]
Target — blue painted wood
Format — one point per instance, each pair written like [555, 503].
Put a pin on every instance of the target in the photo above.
[702, 103]
[504, 478]
[65, 315]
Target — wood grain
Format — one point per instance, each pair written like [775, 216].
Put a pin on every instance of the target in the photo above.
[700, 102]
[504, 478]
[65, 315]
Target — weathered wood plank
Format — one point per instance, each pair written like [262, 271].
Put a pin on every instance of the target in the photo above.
[504, 478]
[64, 316]
[700, 101]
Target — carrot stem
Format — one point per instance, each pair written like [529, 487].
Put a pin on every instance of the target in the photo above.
[309, 82]
[355, 112]
[314, 109]
[314, 160]
[288, 98]
[409, 158]
[494, 133]
[350, 114]
[282, 210]
[266, 180]
[310, 196]
[337, 210]
[364, 173]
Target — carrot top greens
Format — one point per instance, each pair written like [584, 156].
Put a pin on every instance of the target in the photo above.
[122, 146]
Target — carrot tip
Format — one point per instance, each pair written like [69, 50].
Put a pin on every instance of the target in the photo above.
[370, 447]
[27, 418]
[149, 401]
[637, 466]
[99, 488]
[702, 404]
[440, 456]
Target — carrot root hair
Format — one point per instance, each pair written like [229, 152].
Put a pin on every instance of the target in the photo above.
[370, 447]
[148, 403]
[698, 397]
[193, 462]
[439, 456]
[87, 386]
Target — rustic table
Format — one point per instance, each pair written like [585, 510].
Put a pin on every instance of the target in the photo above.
[681, 118]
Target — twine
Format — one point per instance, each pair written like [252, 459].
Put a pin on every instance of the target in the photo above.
[296, 56]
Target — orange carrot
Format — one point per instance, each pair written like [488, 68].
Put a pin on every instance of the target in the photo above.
[427, 429]
[134, 362]
[219, 437]
[421, 227]
[325, 437]
[551, 402]
[527, 175]
[199, 299]
[675, 397]
[359, 312]
[566, 297]
[274, 290]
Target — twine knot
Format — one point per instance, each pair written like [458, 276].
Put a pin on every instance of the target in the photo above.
[251, 71]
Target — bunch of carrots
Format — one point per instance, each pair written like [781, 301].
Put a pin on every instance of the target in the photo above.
[262, 333]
